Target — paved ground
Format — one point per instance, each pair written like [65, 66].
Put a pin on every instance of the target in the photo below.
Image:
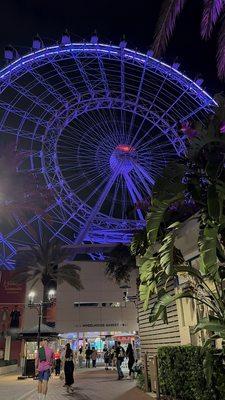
[12, 389]
[90, 385]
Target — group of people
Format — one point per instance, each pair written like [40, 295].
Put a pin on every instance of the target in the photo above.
[44, 363]
[91, 355]
[115, 357]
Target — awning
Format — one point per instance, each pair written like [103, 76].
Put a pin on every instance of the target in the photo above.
[32, 333]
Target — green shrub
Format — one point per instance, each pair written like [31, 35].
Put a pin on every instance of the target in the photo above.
[141, 381]
[182, 373]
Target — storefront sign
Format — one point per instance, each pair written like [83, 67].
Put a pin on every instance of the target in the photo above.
[106, 325]
[12, 298]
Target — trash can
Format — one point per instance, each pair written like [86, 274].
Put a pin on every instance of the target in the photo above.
[30, 368]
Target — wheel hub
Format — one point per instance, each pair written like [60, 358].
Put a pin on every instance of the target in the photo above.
[123, 157]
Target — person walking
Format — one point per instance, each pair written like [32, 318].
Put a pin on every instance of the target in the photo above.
[57, 366]
[80, 359]
[88, 356]
[113, 357]
[43, 365]
[94, 357]
[106, 353]
[131, 360]
[69, 369]
[120, 355]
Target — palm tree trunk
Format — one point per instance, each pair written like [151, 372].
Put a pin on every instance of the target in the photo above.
[45, 301]
[48, 284]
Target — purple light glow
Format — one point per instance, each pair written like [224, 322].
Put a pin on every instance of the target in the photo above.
[94, 133]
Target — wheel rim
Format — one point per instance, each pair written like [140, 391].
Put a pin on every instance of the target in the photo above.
[97, 119]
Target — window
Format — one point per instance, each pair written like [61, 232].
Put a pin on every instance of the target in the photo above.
[99, 305]
[83, 304]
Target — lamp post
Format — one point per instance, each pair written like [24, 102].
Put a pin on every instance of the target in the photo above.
[125, 286]
[39, 306]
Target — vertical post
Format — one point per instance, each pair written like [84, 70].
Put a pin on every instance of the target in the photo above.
[146, 371]
[7, 348]
[78, 335]
[157, 378]
[40, 313]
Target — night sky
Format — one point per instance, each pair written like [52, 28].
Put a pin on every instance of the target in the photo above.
[22, 19]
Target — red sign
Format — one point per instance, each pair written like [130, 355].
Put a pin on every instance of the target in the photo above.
[12, 299]
[11, 292]
[124, 339]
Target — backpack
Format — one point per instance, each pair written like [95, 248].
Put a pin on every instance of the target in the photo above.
[42, 354]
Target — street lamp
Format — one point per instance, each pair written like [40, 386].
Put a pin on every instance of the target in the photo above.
[39, 306]
[51, 295]
[31, 297]
[124, 285]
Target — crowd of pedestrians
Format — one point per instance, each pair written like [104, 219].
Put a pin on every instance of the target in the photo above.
[65, 363]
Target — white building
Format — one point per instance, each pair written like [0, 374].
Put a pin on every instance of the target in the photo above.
[100, 308]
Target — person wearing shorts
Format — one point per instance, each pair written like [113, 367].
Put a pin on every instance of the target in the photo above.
[43, 365]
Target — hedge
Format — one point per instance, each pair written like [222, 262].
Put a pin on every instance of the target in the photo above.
[140, 381]
[182, 373]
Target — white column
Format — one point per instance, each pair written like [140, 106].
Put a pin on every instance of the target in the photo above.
[7, 348]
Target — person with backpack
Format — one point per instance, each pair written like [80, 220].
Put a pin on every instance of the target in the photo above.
[43, 365]
[120, 355]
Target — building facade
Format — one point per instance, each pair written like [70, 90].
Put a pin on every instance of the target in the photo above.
[102, 309]
[182, 314]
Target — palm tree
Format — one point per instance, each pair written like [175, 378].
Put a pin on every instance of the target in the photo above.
[213, 13]
[120, 264]
[198, 179]
[48, 262]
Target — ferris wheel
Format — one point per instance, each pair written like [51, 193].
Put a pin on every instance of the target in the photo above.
[100, 123]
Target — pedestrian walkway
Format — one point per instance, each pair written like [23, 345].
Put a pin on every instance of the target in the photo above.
[89, 385]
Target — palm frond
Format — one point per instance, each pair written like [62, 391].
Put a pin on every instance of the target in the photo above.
[139, 243]
[156, 217]
[46, 261]
[208, 250]
[69, 274]
[159, 309]
[166, 251]
[25, 257]
[25, 274]
[211, 13]
[221, 52]
[204, 139]
[171, 9]
[120, 264]
[71, 264]
[34, 282]
[170, 183]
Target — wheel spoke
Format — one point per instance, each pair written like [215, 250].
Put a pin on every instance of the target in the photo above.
[100, 125]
